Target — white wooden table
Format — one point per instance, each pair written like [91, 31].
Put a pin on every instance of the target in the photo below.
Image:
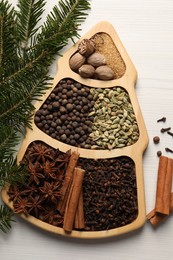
[145, 28]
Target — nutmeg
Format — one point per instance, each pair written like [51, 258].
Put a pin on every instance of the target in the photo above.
[86, 47]
[104, 73]
[76, 61]
[96, 59]
[86, 71]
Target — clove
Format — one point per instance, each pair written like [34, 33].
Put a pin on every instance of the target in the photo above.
[170, 133]
[163, 130]
[168, 150]
[163, 119]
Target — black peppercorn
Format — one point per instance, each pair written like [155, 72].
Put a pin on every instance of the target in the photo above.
[69, 107]
[63, 137]
[159, 153]
[75, 124]
[156, 139]
[37, 119]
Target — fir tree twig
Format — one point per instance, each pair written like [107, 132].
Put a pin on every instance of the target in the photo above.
[26, 52]
[5, 218]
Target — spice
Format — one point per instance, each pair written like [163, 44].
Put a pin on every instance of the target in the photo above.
[79, 222]
[97, 119]
[114, 124]
[40, 194]
[73, 199]
[170, 133]
[65, 189]
[156, 139]
[105, 45]
[163, 130]
[68, 120]
[159, 153]
[156, 218]
[86, 47]
[99, 50]
[168, 150]
[109, 193]
[164, 197]
[163, 119]
[106, 200]
[164, 185]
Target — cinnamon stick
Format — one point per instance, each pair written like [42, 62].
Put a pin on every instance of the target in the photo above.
[73, 199]
[79, 217]
[164, 185]
[156, 218]
[67, 182]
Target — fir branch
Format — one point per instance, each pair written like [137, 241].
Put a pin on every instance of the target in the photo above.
[9, 139]
[8, 46]
[5, 218]
[25, 57]
[62, 23]
[29, 15]
[17, 110]
[28, 73]
[11, 172]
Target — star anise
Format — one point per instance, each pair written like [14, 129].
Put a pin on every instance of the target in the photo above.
[50, 169]
[14, 193]
[51, 191]
[34, 205]
[29, 190]
[21, 205]
[35, 172]
[40, 152]
[51, 216]
[58, 220]
[61, 160]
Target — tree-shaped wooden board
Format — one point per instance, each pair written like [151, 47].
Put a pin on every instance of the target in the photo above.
[89, 116]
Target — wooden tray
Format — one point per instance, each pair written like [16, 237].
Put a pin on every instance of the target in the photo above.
[135, 151]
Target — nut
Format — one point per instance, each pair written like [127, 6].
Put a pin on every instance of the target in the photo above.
[104, 73]
[86, 71]
[86, 47]
[96, 59]
[76, 61]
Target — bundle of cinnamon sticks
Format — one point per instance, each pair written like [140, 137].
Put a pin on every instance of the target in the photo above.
[71, 201]
[164, 196]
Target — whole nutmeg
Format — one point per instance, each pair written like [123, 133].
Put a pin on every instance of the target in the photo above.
[76, 61]
[104, 73]
[86, 47]
[86, 71]
[96, 59]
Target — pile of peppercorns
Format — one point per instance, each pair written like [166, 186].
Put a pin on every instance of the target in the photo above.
[64, 114]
